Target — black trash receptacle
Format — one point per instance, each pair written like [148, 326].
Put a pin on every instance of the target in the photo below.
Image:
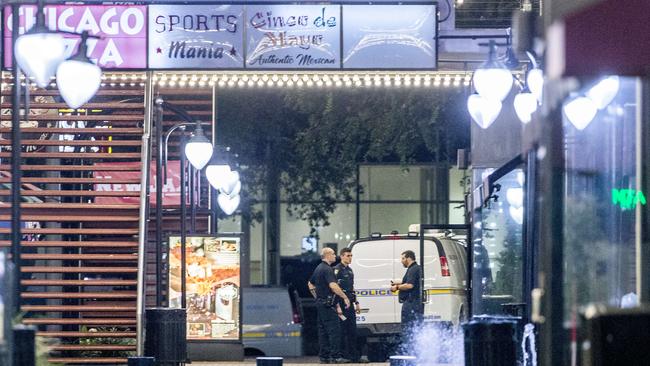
[490, 342]
[24, 345]
[165, 337]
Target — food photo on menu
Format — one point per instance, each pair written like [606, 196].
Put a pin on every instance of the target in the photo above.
[212, 285]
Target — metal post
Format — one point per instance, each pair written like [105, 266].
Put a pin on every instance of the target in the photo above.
[144, 214]
[183, 213]
[192, 173]
[159, 198]
[548, 298]
[214, 206]
[16, 233]
[643, 182]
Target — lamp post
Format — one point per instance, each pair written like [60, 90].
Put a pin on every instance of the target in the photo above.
[198, 151]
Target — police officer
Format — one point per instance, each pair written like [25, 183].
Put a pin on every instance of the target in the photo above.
[323, 286]
[345, 278]
[409, 294]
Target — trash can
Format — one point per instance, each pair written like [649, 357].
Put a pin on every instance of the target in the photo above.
[165, 336]
[24, 345]
[490, 341]
[268, 361]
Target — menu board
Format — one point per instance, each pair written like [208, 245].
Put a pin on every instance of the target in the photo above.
[212, 285]
[196, 36]
[293, 36]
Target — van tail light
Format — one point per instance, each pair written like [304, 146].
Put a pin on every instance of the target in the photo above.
[444, 267]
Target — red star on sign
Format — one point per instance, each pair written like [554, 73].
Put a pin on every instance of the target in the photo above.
[158, 50]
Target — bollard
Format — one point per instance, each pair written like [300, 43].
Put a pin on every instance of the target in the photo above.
[24, 345]
[140, 361]
[166, 336]
[403, 361]
[490, 342]
[269, 361]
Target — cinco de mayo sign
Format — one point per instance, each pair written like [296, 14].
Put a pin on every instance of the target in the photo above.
[122, 31]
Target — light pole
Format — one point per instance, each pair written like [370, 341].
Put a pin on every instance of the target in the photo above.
[198, 153]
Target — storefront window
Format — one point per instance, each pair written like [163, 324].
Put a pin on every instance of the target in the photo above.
[601, 195]
[498, 255]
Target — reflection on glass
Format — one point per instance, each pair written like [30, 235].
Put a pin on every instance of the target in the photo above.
[601, 194]
[498, 249]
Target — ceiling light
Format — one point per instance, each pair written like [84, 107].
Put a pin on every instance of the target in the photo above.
[493, 80]
[525, 105]
[580, 112]
[604, 92]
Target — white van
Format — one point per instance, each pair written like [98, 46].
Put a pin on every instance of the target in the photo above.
[377, 262]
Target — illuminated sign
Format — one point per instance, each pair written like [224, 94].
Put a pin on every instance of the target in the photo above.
[627, 199]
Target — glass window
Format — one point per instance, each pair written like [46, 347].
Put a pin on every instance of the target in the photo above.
[340, 231]
[601, 195]
[498, 255]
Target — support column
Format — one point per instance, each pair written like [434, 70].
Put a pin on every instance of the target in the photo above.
[643, 184]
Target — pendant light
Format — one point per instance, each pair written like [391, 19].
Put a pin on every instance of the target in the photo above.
[199, 149]
[492, 79]
[39, 51]
[525, 105]
[218, 168]
[604, 91]
[484, 111]
[78, 78]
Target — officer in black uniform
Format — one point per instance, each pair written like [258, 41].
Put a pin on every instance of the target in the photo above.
[323, 286]
[409, 294]
[345, 278]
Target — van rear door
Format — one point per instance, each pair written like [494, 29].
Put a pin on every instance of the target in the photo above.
[373, 264]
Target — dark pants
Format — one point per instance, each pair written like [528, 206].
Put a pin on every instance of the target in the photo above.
[329, 330]
[411, 318]
[349, 334]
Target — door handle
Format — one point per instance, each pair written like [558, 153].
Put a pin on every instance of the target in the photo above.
[536, 314]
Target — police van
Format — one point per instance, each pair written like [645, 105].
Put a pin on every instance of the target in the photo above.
[377, 262]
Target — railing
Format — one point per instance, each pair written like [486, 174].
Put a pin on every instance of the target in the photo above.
[144, 214]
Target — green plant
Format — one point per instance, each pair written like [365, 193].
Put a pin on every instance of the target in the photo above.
[105, 341]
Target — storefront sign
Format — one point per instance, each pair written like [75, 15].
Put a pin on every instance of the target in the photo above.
[212, 283]
[123, 31]
[171, 187]
[196, 36]
[627, 199]
[389, 37]
[293, 36]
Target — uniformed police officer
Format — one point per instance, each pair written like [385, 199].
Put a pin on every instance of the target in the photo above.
[409, 294]
[345, 278]
[323, 286]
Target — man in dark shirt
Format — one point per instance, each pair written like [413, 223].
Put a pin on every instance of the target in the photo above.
[345, 278]
[323, 286]
[410, 295]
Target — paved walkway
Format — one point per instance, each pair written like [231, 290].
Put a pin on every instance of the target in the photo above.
[293, 361]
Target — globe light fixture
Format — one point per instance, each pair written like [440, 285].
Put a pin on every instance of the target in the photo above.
[580, 111]
[228, 204]
[218, 169]
[525, 105]
[78, 78]
[484, 111]
[493, 80]
[199, 149]
[604, 91]
[40, 51]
